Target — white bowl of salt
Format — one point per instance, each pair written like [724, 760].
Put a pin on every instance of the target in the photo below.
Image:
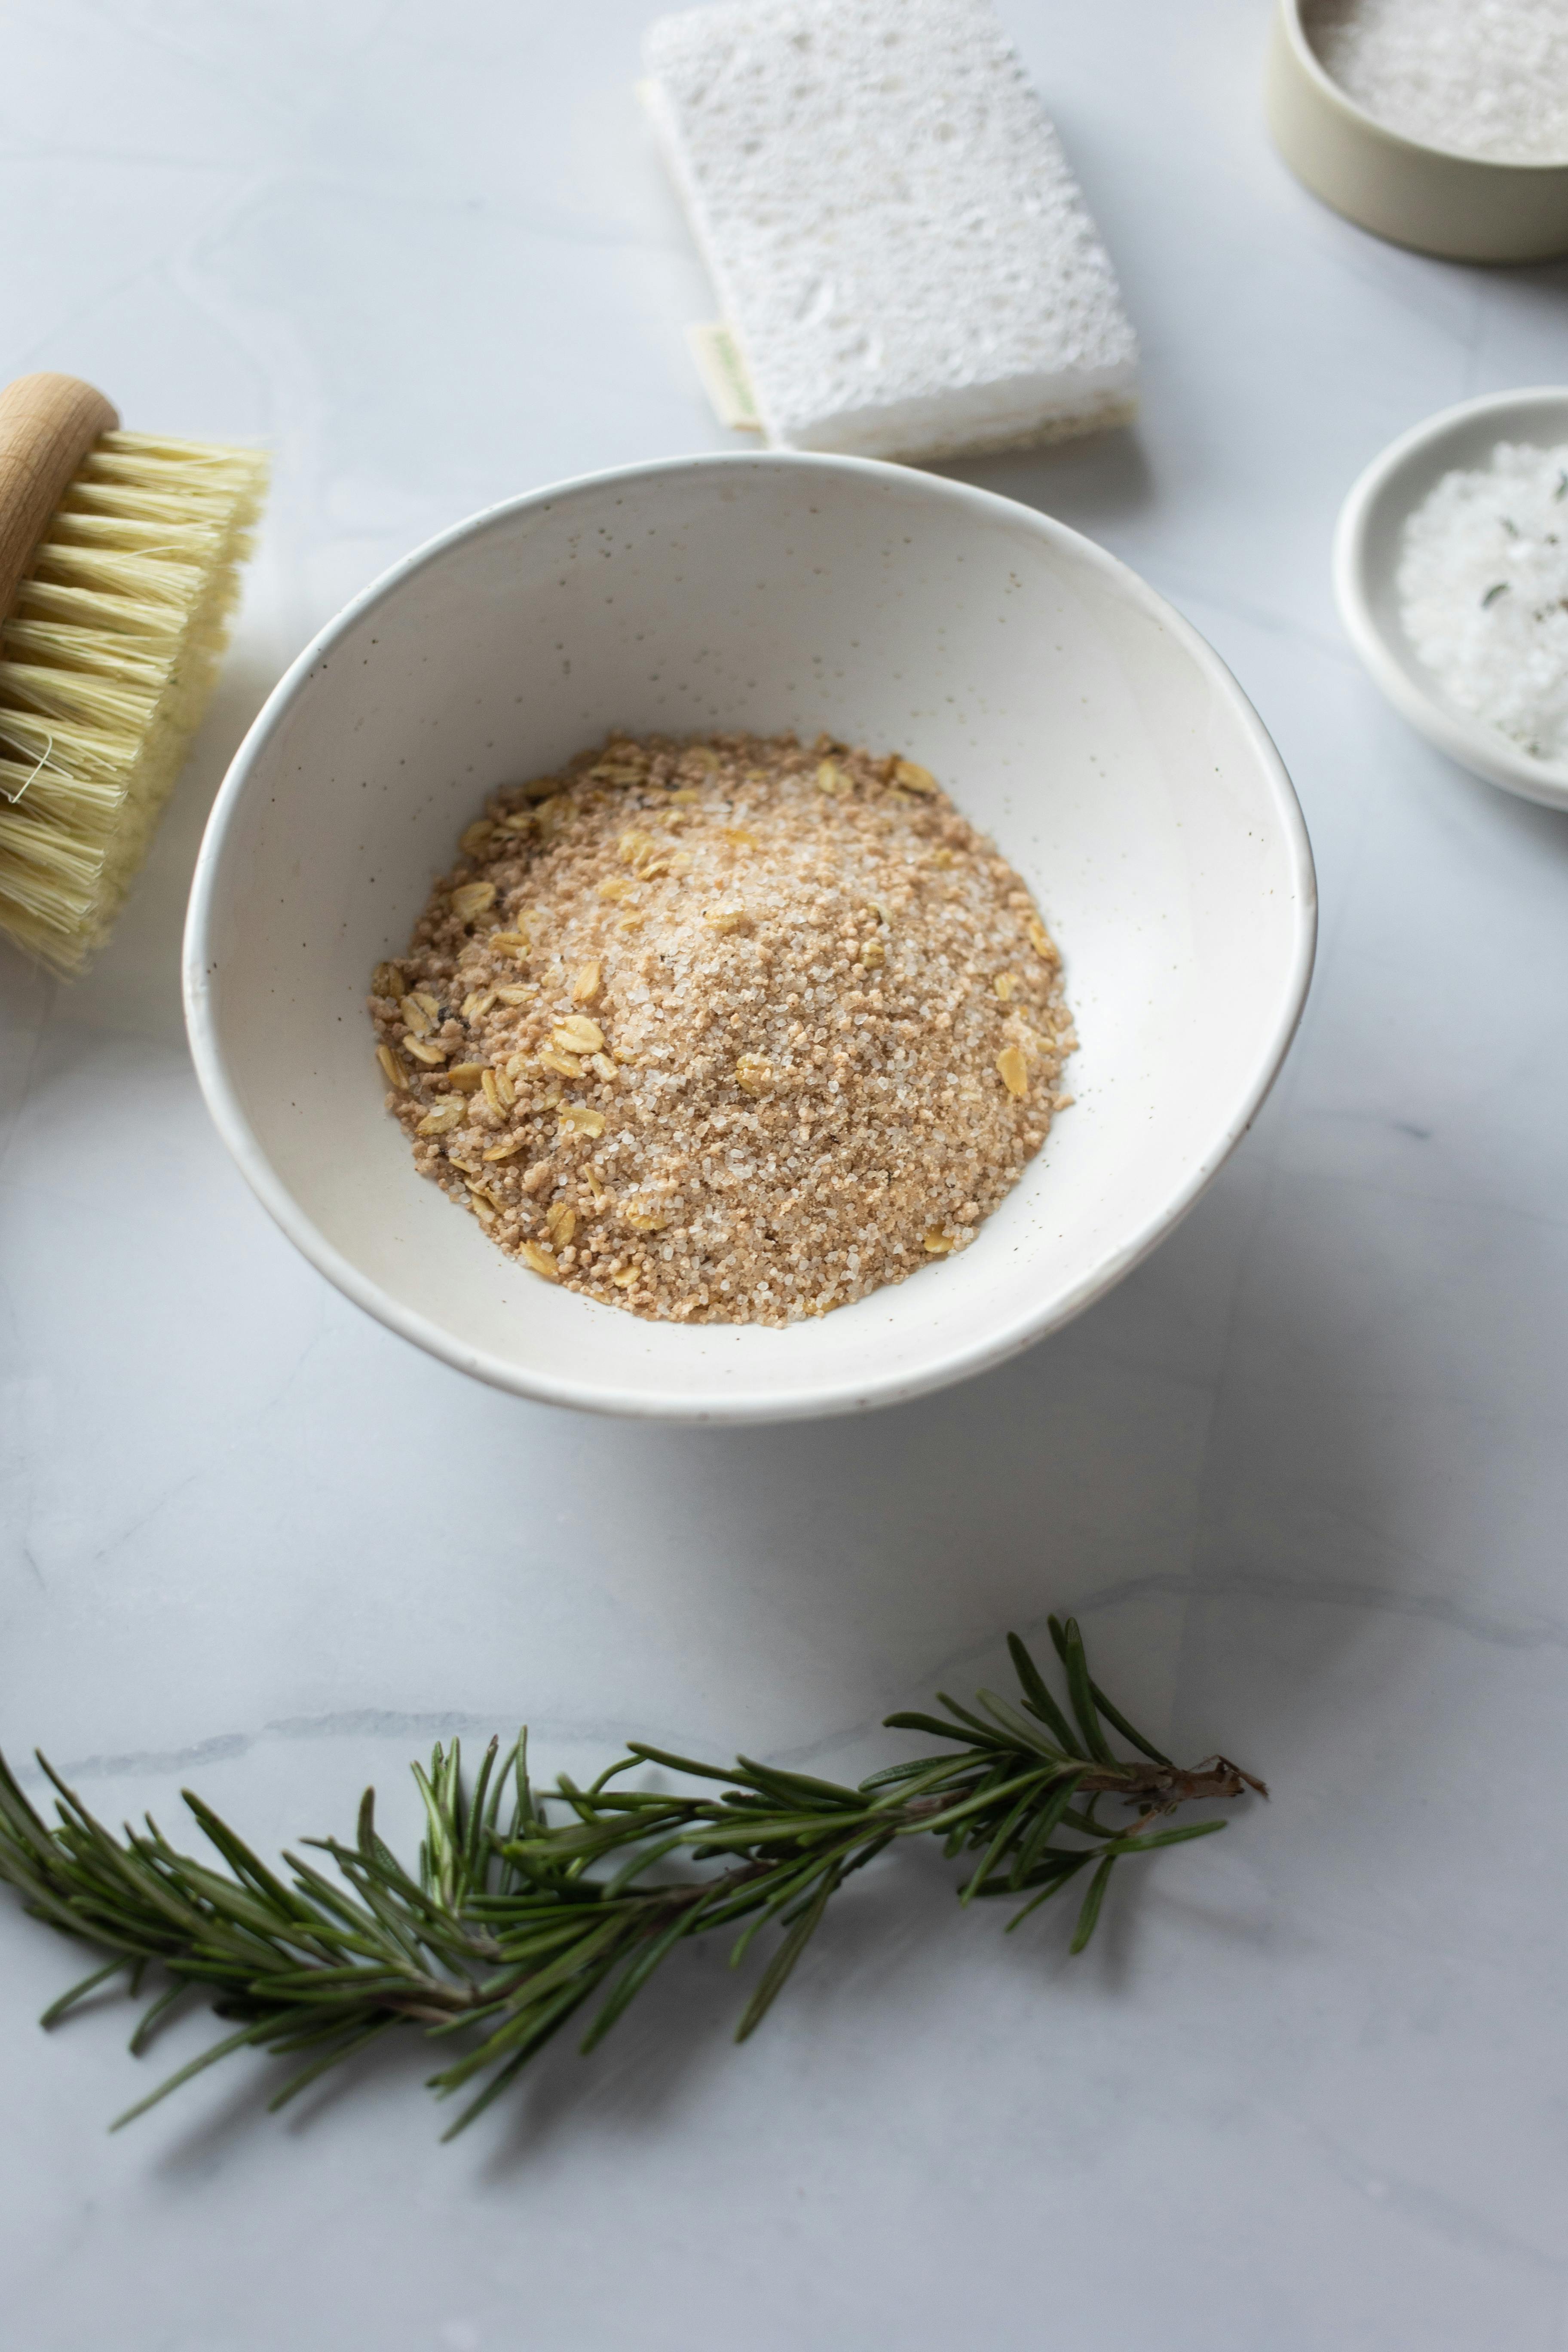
[1451, 576]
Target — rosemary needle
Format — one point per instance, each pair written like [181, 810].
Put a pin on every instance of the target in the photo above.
[526, 1908]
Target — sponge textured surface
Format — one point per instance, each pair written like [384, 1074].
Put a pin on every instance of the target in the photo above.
[891, 226]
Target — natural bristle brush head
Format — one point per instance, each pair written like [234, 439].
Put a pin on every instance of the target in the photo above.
[119, 556]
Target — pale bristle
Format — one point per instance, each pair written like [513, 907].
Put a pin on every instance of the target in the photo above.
[106, 665]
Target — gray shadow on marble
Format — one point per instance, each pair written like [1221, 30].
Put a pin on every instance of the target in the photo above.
[680, 2031]
[1528, 824]
[395, 2068]
[1540, 285]
[1095, 484]
[678, 2034]
[134, 984]
[890, 1936]
[889, 1553]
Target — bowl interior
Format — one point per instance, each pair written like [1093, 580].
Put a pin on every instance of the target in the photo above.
[1368, 564]
[1068, 709]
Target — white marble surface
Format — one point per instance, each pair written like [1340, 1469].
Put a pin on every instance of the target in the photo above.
[1304, 1477]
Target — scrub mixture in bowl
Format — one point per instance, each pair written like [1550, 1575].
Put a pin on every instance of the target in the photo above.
[732, 1031]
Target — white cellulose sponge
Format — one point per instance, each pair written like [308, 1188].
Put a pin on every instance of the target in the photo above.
[901, 251]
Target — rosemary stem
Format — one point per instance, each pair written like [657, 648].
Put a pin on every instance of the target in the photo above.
[525, 1908]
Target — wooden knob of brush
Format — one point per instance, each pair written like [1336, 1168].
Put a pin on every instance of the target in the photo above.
[48, 425]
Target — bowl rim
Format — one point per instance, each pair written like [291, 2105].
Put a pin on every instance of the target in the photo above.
[1469, 741]
[1307, 60]
[721, 1406]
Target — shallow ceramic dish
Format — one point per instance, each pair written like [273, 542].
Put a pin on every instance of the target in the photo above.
[1464, 207]
[1069, 710]
[1367, 546]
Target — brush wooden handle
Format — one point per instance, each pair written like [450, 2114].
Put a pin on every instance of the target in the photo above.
[48, 425]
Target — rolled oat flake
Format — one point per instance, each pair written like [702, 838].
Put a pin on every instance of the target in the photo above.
[726, 1031]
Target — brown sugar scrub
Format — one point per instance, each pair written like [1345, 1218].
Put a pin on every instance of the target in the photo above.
[729, 1032]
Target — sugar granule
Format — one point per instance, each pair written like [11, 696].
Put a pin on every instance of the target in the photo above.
[1483, 590]
[728, 1031]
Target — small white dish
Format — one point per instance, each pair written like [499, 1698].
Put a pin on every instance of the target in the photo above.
[1367, 548]
[1070, 711]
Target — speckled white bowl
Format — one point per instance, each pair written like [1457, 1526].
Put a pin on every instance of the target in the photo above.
[1070, 711]
[1368, 544]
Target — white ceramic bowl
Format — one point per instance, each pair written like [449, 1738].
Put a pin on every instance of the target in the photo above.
[1367, 546]
[1069, 710]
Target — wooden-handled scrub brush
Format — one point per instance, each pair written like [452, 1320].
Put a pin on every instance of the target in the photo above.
[119, 556]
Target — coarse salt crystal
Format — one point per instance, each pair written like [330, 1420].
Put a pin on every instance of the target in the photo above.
[1483, 589]
[1484, 78]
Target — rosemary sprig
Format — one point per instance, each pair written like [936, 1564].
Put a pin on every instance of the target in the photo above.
[526, 1908]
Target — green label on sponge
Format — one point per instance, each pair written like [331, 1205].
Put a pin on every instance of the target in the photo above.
[724, 377]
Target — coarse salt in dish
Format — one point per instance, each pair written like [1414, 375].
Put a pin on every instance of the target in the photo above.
[1483, 593]
[1483, 77]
